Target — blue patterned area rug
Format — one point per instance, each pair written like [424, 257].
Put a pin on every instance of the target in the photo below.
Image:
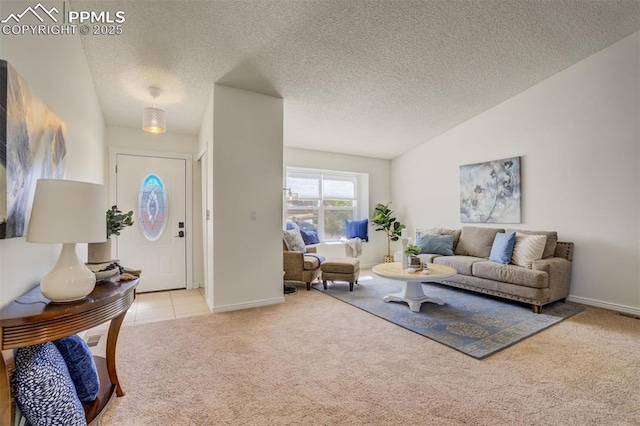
[472, 323]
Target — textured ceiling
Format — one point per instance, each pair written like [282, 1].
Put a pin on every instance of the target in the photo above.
[372, 78]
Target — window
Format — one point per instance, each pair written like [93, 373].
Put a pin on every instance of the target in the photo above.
[324, 199]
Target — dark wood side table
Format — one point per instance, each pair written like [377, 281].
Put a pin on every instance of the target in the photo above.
[32, 319]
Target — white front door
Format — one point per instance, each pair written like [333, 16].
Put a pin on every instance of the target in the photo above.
[155, 189]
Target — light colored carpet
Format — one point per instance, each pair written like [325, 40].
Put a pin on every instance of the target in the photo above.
[473, 323]
[315, 360]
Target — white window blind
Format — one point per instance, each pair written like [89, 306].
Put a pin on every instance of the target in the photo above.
[323, 201]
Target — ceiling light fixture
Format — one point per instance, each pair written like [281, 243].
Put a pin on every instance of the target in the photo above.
[154, 119]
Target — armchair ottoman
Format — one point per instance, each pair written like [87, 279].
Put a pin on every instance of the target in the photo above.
[340, 269]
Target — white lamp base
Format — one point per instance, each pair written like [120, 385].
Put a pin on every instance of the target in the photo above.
[69, 279]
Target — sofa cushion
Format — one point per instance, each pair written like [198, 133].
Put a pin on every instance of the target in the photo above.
[527, 249]
[502, 248]
[476, 241]
[293, 240]
[428, 257]
[511, 274]
[312, 261]
[436, 244]
[552, 240]
[442, 231]
[462, 264]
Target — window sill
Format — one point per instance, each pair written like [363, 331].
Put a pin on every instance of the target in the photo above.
[327, 243]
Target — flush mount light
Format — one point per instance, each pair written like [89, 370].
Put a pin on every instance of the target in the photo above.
[154, 119]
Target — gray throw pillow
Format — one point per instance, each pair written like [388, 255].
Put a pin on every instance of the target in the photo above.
[476, 241]
[435, 244]
[293, 240]
[441, 231]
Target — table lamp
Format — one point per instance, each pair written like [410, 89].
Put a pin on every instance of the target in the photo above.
[67, 212]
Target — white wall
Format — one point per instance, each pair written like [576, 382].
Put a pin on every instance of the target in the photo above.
[578, 137]
[56, 71]
[174, 143]
[379, 172]
[247, 176]
[205, 147]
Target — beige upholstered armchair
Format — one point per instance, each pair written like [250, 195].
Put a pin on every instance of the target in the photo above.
[298, 267]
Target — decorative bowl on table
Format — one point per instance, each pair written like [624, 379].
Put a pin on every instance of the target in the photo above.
[103, 275]
[105, 270]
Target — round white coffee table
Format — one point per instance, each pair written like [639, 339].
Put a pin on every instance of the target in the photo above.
[412, 293]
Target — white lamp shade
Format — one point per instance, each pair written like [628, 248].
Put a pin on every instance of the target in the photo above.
[154, 120]
[66, 211]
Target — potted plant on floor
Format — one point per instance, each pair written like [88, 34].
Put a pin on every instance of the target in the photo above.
[116, 221]
[384, 220]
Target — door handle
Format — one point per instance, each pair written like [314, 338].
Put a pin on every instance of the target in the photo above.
[180, 234]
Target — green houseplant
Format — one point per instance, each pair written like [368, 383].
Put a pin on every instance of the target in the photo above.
[384, 221]
[116, 221]
[412, 251]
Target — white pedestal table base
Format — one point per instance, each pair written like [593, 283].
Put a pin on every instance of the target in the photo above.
[413, 295]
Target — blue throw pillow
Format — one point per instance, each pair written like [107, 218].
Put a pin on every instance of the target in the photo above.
[291, 225]
[502, 247]
[81, 366]
[306, 226]
[435, 244]
[310, 237]
[44, 390]
[357, 229]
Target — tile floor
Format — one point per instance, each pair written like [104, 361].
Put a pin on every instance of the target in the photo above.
[160, 306]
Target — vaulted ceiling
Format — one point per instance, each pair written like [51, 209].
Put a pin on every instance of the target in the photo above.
[372, 78]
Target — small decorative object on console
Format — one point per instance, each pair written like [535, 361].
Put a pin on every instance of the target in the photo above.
[116, 222]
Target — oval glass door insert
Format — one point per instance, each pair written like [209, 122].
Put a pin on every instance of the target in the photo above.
[152, 207]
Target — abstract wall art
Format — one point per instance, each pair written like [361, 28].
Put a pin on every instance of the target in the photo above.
[32, 146]
[490, 192]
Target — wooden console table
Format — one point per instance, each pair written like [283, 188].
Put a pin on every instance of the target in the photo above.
[32, 319]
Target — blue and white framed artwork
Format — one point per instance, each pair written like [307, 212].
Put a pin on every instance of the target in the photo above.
[32, 146]
[490, 192]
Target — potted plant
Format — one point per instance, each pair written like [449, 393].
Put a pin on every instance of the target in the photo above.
[116, 221]
[384, 221]
[412, 251]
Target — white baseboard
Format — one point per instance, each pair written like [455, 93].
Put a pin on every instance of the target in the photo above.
[254, 304]
[605, 305]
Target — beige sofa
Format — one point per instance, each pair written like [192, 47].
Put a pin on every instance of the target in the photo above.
[548, 280]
